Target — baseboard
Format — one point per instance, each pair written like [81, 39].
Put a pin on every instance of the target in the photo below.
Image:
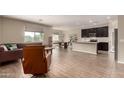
[120, 62]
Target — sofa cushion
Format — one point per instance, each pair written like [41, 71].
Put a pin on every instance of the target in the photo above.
[4, 47]
[8, 46]
[13, 47]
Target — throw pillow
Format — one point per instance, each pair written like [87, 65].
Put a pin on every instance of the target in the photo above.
[8, 46]
[5, 48]
[13, 47]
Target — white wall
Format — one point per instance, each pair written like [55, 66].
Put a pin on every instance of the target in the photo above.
[60, 33]
[121, 39]
[0, 30]
[112, 25]
[67, 34]
[13, 30]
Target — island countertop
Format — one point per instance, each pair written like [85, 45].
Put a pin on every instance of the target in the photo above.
[87, 47]
[86, 42]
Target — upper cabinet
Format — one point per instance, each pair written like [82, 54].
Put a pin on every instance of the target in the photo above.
[95, 32]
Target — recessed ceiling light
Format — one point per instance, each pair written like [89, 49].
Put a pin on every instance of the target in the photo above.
[91, 21]
[108, 17]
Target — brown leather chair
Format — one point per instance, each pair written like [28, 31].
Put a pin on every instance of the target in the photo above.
[36, 61]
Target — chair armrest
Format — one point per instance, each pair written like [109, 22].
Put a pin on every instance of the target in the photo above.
[48, 58]
[48, 54]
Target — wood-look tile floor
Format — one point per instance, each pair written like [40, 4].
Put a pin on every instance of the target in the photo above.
[70, 64]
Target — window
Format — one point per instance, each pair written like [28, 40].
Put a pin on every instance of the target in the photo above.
[34, 37]
[55, 37]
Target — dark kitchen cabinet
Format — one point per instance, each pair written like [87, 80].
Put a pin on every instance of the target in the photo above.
[85, 33]
[102, 46]
[99, 32]
[104, 31]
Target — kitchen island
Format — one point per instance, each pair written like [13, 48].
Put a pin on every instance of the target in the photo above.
[87, 47]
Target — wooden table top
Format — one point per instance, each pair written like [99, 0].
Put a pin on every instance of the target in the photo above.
[49, 48]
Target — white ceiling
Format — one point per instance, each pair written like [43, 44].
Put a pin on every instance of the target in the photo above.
[67, 22]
